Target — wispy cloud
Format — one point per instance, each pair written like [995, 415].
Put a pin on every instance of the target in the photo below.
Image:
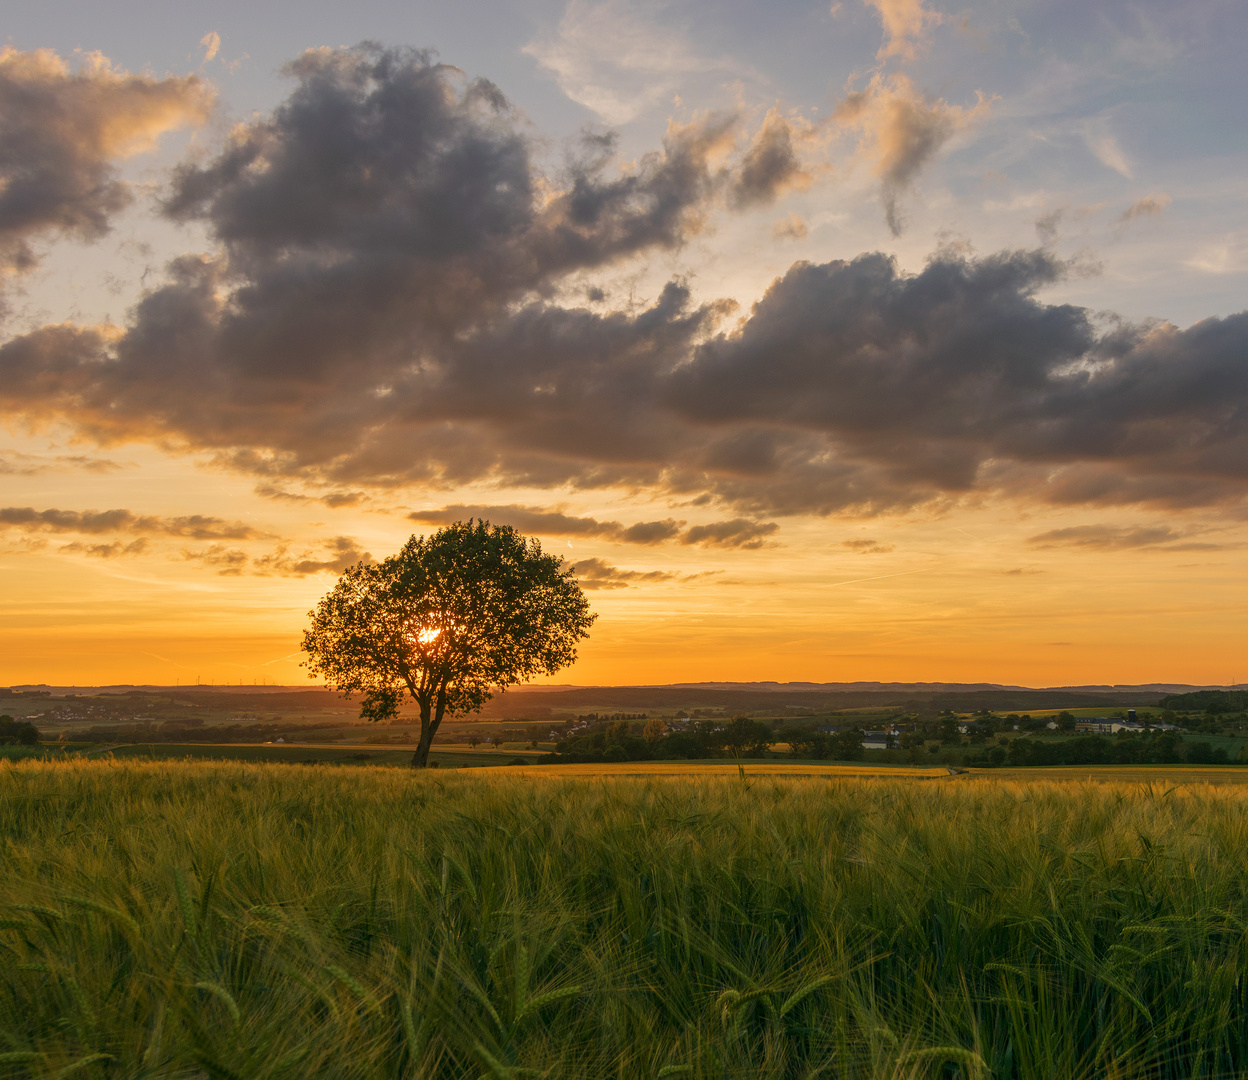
[1122, 537]
[899, 131]
[618, 61]
[594, 574]
[867, 547]
[211, 42]
[1147, 206]
[193, 526]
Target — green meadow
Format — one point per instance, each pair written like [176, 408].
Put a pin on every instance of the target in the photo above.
[232, 920]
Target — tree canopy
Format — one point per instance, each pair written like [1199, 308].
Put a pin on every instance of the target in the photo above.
[452, 617]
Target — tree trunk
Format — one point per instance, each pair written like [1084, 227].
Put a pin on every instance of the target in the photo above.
[430, 720]
[428, 727]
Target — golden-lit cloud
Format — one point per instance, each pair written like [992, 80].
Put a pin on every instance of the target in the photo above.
[899, 131]
[61, 132]
[211, 42]
[906, 23]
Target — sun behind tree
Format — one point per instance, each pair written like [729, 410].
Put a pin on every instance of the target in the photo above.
[472, 608]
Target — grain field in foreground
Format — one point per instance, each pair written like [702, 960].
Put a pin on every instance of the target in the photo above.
[224, 920]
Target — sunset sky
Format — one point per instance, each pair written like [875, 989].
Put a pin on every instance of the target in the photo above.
[882, 340]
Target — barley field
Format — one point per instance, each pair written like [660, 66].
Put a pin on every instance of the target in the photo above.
[232, 920]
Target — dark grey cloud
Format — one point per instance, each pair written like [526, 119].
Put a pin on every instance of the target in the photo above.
[772, 165]
[61, 134]
[193, 526]
[959, 378]
[386, 305]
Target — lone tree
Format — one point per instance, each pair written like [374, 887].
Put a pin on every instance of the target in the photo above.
[451, 617]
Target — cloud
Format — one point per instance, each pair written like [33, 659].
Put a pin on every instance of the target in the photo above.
[772, 166]
[598, 574]
[848, 386]
[1229, 256]
[106, 551]
[738, 533]
[789, 228]
[611, 59]
[390, 302]
[1148, 206]
[61, 133]
[867, 547]
[228, 562]
[1106, 150]
[337, 555]
[211, 42]
[958, 379]
[332, 499]
[534, 519]
[194, 526]
[16, 463]
[905, 26]
[899, 131]
[1121, 537]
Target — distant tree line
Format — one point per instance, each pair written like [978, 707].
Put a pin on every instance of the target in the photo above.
[17, 732]
[622, 741]
[1212, 702]
[1151, 747]
[178, 731]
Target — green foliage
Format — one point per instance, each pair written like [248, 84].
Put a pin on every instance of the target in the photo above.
[743, 737]
[1213, 702]
[17, 732]
[620, 741]
[451, 617]
[168, 920]
[826, 745]
[1151, 747]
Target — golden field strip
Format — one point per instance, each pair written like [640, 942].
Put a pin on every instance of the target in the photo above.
[693, 769]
